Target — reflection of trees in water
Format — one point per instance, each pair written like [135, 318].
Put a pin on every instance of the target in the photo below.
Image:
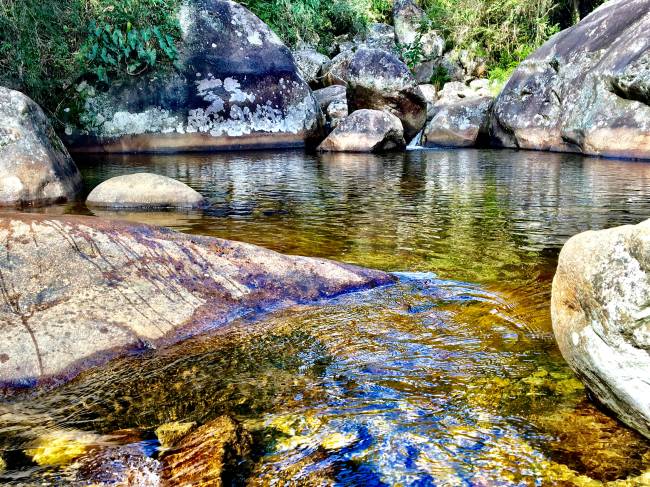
[478, 215]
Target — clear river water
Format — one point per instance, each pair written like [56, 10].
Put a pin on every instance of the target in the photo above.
[450, 377]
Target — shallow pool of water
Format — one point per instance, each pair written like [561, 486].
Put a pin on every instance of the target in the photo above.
[449, 377]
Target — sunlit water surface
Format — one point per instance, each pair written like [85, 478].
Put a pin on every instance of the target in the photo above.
[449, 377]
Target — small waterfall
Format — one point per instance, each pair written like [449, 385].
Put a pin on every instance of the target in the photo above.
[415, 143]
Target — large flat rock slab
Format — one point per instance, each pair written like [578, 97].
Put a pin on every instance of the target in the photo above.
[77, 291]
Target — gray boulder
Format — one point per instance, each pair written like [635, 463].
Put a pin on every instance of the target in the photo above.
[409, 20]
[310, 64]
[378, 36]
[585, 90]
[83, 290]
[238, 87]
[144, 190]
[35, 167]
[336, 72]
[461, 123]
[378, 80]
[600, 309]
[333, 103]
[365, 131]
[336, 111]
[327, 95]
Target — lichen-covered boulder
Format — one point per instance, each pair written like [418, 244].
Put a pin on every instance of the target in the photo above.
[81, 290]
[336, 111]
[378, 36]
[586, 90]
[310, 63]
[461, 123]
[238, 88]
[600, 309]
[144, 190]
[35, 167]
[209, 455]
[378, 80]
[412, 26]
[336, 71]
[327, 95]
[365, 131]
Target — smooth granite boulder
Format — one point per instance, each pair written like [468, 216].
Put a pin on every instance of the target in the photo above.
[378, 80]
[586, 90]
[601, 317]
[81, 290]
[458, 123]
[365, 131]
[35, 167]
[144, 190]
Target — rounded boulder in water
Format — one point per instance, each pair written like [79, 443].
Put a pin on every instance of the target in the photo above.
[144, 190]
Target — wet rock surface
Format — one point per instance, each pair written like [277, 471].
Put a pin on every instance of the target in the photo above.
[461, 123]
[80, 290]
[211, 455]
[599, 307]
[238, 87]
[36, 168]
[144, 190]
[378, 80]
[365, 131]
[585, 90]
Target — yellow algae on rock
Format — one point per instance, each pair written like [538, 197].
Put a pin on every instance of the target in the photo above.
[62, 447]
[337, 441]
[169, 433]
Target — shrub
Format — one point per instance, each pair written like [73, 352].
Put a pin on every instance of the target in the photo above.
[46, 46]
[318, 22]
[499, 31]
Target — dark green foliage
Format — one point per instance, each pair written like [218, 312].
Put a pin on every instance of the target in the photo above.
[48, 45]
[110, 50]
[439, 77]
[318, 22]
[497, 31]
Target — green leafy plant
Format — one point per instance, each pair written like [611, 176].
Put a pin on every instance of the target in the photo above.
[109, 50]
[439, 77]
[412, 54]
[496, 31]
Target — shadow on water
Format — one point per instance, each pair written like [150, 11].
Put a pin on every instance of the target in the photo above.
[450, 378]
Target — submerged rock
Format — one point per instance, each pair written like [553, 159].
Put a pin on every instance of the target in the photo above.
[585, 90]
[378, 80]
[144, 190]
[238, 87]
[169, 434]
[35, 167]
[210, 455]
[365, 131]
[459, 123]
[80, 290]
[600, 310]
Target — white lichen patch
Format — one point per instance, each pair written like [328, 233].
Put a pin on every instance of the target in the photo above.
[152, 120]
